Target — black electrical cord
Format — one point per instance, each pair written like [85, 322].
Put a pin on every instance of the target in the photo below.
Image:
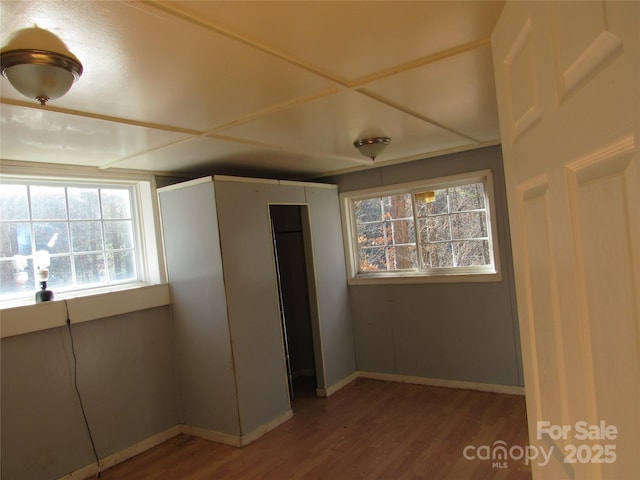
[75, 384]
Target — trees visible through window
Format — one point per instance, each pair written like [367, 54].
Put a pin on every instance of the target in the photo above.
[87, 232]
[435, 228]
[386, 233]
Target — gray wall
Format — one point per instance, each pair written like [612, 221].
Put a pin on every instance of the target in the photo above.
[194, 266]
[221, 267]
[128, 383]
[129, 365]
[336, 325]
[456, 331]
[252, 296]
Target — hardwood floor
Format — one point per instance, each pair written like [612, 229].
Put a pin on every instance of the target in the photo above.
[368, 430]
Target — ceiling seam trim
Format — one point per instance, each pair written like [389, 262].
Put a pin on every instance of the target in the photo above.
[273, 109]
[110, 163]
[408, 111]
[439, 153]
[349, 84]
[420, 62]
[63, 170]
[97, 116]
[287, 149]
[243, 141]
[253, 43]
[410, 158]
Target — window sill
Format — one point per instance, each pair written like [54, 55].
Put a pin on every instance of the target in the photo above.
[417, 279]
[41, 316]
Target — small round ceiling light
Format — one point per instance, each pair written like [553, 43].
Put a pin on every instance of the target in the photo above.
[372, 147]
[40, 74]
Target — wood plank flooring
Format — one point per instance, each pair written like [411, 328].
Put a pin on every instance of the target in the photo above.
[368, 430]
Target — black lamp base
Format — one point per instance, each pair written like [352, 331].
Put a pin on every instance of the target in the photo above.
[44, 295]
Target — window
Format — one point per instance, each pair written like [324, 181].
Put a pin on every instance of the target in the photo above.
[443, 227]
[89, 234]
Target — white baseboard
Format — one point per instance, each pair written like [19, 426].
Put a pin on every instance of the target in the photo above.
[236, 440]
[212, 435]
[267, 427]
[432, 382]
[125, 454]
[91, 470]
[439, 382]
[241, 441]
[326, 392]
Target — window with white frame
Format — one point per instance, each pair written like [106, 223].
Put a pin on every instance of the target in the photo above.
[89, 233]
[422, 231]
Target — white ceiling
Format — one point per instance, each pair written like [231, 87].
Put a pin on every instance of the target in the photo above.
[278, 89]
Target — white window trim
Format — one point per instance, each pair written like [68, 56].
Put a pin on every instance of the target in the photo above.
[444, 275]
[151, 261]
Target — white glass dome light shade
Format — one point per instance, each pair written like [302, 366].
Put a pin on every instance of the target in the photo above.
[372, 147]
[40, 74]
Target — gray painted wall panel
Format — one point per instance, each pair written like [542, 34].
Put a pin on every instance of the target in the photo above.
[128, 383]
[249, 291]
[459, 331]
[252, 296]
[373, 329]
[194, 267]
[331, 283]
[439, 335]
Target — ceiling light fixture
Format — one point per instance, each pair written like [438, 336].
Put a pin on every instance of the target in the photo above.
[372, 147]
[40, 74]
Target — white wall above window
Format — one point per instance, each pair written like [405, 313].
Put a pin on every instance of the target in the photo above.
[436, 230]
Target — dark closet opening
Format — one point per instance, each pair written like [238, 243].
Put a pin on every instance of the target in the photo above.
[292, 268]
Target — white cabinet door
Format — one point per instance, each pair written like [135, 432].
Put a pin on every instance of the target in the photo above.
[568, 93]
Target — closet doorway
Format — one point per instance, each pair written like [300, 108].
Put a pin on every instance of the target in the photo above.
[296, 289]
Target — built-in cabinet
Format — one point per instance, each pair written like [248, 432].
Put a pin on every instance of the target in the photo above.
[229, 335]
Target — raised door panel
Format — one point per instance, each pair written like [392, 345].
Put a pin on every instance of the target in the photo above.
[567, 81]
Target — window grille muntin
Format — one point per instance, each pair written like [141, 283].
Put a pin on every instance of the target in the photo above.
[470, 242]
[46, 215]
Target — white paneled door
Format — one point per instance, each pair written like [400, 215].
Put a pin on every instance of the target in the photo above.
[568, 94]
